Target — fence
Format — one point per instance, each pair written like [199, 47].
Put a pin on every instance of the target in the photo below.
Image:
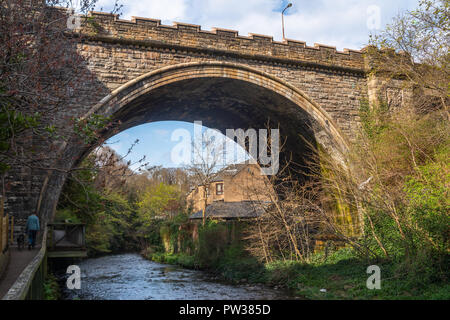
[30, 284]
[66, 240]
[6, 232]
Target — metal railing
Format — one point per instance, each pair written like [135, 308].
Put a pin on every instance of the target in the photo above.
[66, 236]
[4, 232]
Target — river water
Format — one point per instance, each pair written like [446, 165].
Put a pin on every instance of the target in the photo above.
[131, 277]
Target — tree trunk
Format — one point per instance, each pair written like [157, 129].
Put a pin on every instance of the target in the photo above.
[205, 197]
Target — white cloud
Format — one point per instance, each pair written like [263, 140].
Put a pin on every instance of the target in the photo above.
[167, 11]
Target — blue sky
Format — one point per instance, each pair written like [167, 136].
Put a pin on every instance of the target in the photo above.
[157, 142]
[154, 142]
[340, 23]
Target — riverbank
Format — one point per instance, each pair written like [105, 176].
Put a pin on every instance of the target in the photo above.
[340, 276]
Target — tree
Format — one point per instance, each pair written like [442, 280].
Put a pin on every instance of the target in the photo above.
[290, 215]
[396, 173]
[40, 70]
[112, 169]
[162, 201]
[415, 46]
[100, 193]
[207, 164]
[171, 176]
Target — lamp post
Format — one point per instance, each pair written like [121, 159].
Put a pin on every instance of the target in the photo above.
[282, 17]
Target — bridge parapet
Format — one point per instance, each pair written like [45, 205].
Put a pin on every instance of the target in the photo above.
[181, 36]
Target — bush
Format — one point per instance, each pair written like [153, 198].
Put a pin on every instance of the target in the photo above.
[66, 214]
[51, 288]
[212, 242]
[428, 205]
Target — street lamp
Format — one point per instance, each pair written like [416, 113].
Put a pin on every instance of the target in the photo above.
[282, 17]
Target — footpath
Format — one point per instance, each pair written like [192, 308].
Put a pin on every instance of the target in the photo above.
[18, 260]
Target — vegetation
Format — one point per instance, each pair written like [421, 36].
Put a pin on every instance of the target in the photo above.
[122, 210]
[160, 201]
[51, 288]
[342, 273]
[397, 171]
[39, 73]
[415, 47]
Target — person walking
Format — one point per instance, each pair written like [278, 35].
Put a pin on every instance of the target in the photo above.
[32, 228]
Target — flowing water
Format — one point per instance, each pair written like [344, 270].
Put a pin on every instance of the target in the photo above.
[131, 277]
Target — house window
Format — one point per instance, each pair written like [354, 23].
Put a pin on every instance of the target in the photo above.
[219, 189]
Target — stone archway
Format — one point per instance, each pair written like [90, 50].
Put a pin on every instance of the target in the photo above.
[145, 84]
[223, 95]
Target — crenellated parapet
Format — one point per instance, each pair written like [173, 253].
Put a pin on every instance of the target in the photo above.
[106, 27]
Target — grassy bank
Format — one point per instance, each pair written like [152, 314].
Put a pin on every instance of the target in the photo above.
[341, 274]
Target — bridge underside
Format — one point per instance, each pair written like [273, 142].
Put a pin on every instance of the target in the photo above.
[223, 103]
[222, 96]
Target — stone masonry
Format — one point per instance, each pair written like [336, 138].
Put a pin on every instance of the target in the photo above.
[140, 71]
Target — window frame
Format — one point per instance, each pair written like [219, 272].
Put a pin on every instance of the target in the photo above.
[219, 192]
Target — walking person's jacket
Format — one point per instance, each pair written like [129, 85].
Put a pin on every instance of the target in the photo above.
[33, 223]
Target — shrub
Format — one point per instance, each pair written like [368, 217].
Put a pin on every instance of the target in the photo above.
[51, 288]
[213, 239]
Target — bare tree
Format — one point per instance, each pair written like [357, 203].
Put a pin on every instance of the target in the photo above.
[415, 47]
[290, 216]
[40, 70]
[207, 164]
[290, 212]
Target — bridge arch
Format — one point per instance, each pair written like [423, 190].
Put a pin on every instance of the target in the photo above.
[116, 103]
[222, 95]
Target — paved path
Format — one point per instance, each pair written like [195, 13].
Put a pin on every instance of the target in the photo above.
[17, 262]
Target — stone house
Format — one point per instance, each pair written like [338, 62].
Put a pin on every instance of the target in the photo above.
[237, 192]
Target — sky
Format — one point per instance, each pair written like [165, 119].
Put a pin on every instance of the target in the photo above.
[339, 23]
[158, 143]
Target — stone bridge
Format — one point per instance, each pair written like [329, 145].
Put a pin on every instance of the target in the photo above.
[140, 71]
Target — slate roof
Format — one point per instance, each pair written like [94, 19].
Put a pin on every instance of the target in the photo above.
[231, 210]
[231, 170]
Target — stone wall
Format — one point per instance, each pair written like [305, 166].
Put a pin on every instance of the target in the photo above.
[181, 36]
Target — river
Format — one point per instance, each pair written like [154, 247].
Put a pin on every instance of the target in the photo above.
[131, 277]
